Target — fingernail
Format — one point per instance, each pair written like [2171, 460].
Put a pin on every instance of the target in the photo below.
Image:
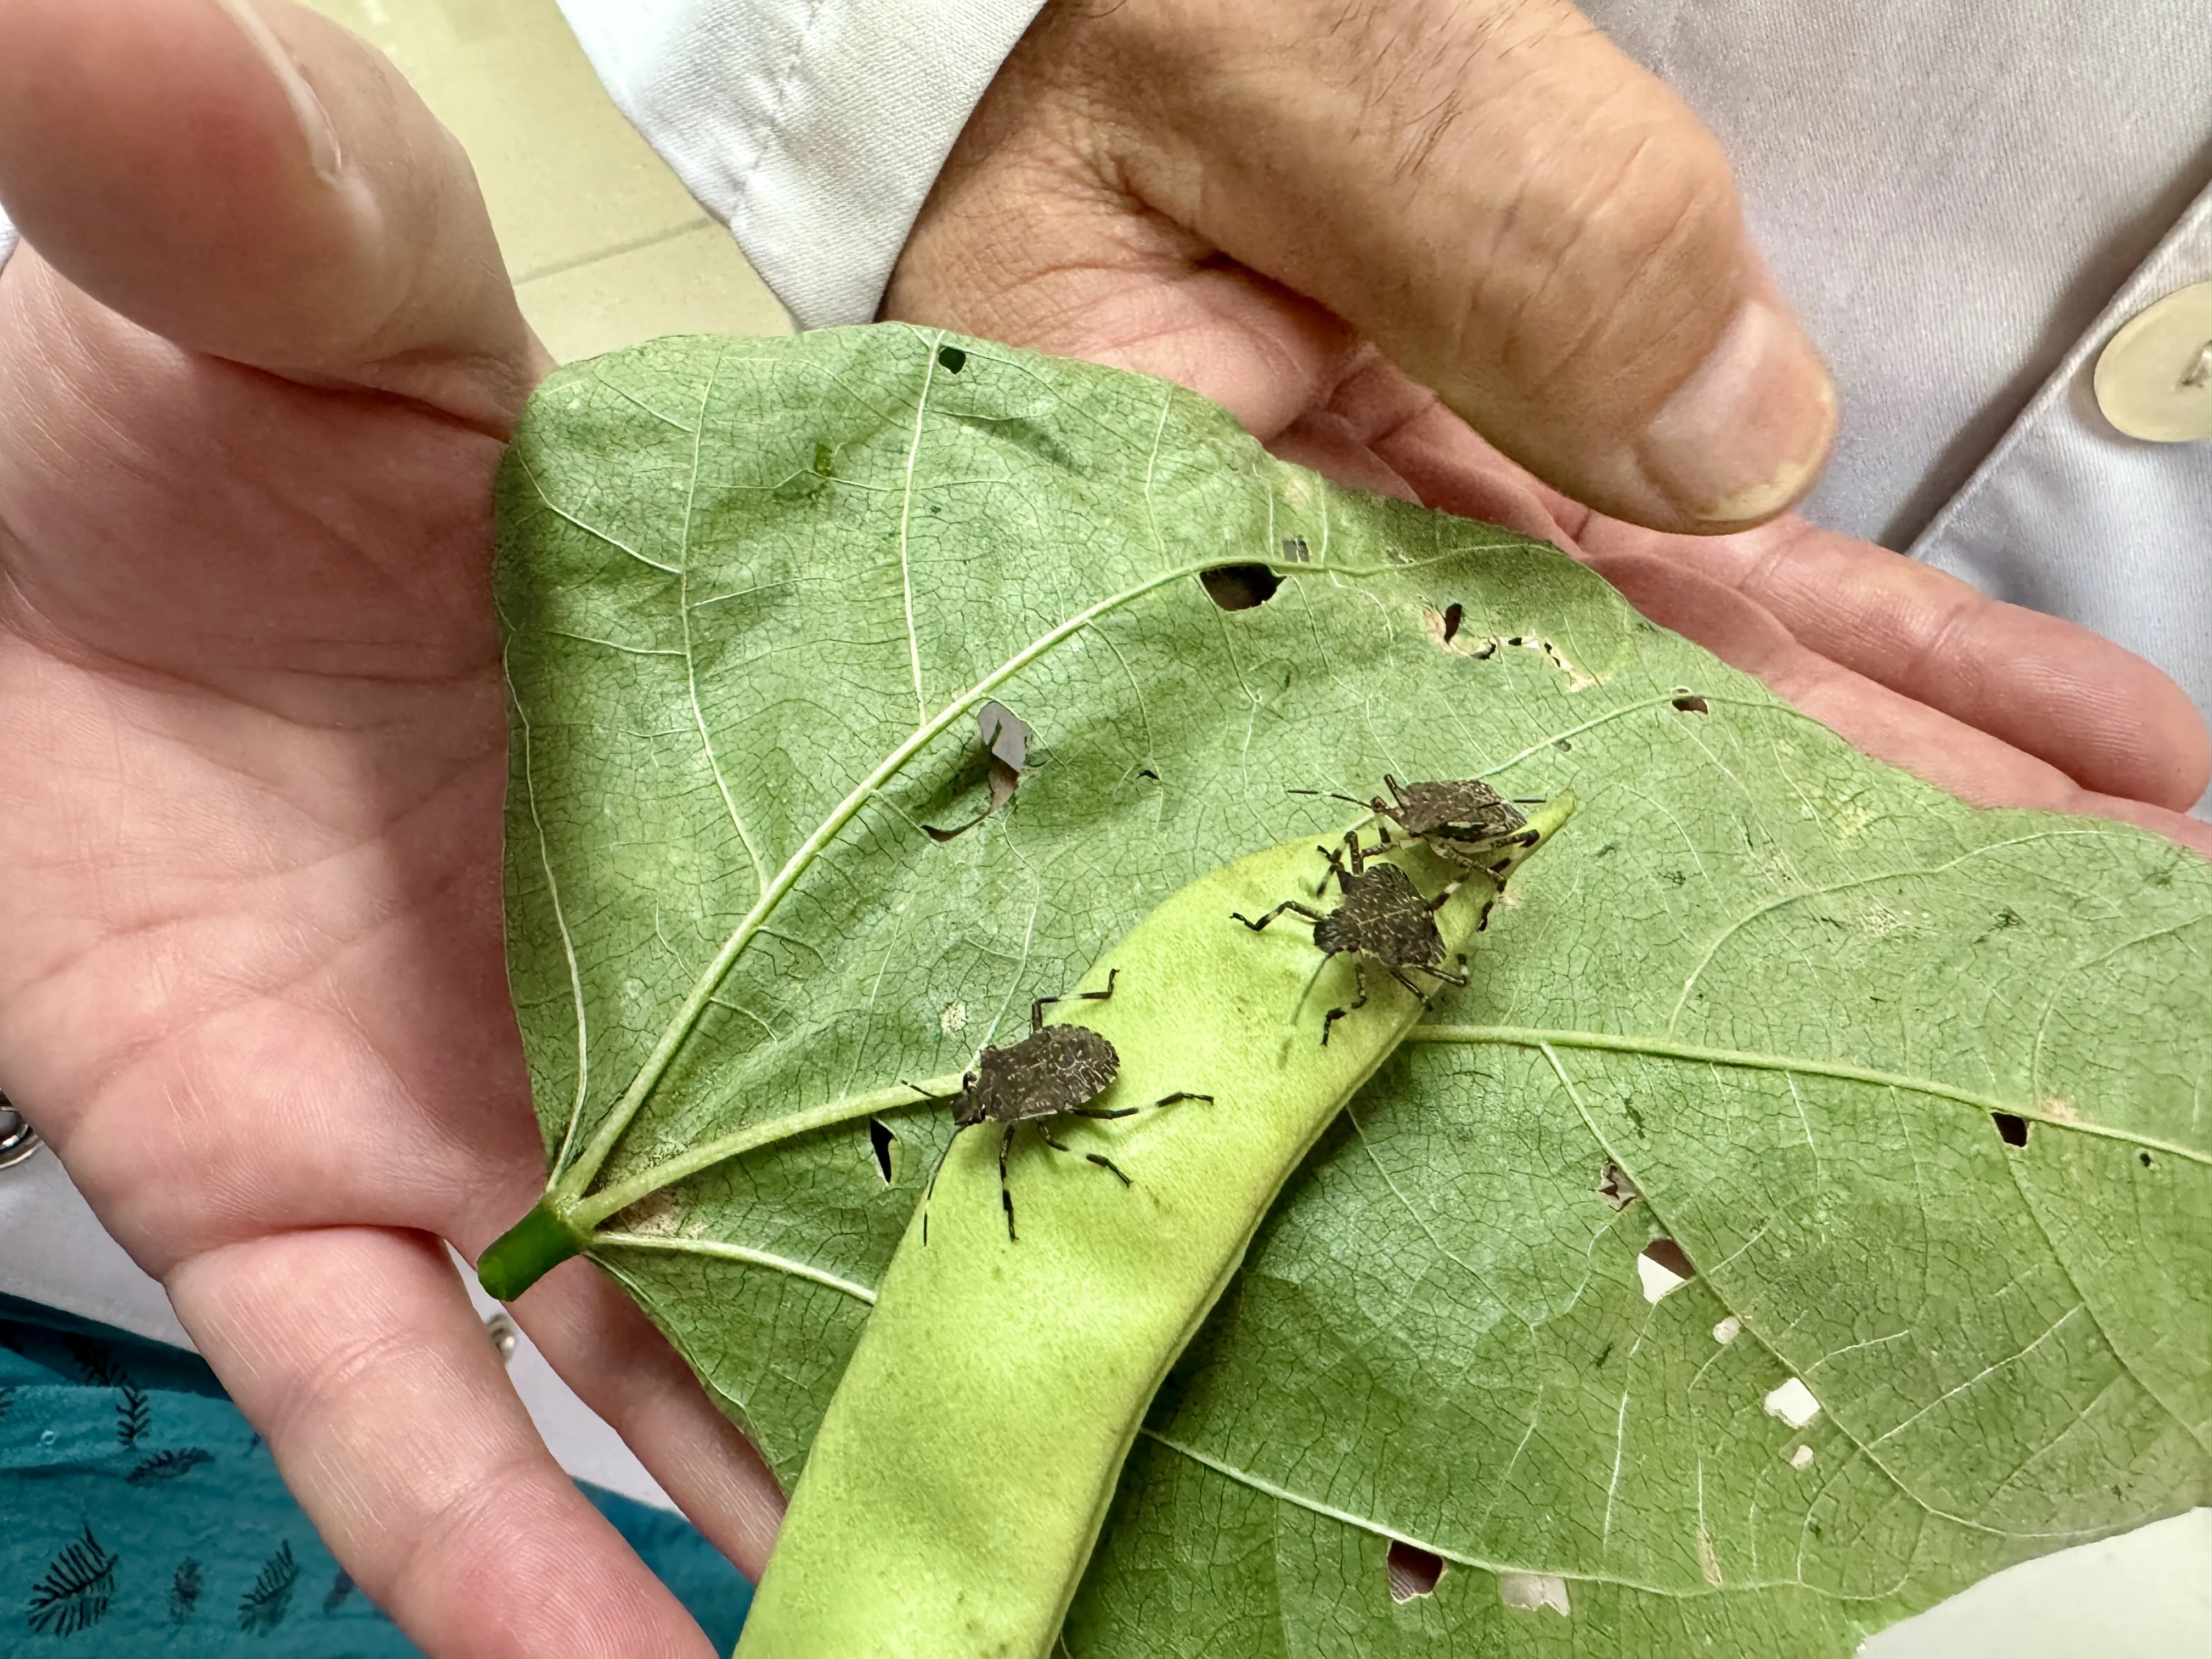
[307, 109]
[1745, 436]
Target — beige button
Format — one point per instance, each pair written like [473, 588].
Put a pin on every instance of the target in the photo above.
[2155, 378]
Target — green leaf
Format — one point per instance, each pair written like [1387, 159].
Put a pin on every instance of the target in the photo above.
[754, 593]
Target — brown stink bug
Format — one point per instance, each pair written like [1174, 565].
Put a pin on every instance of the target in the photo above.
[1459, 820]
[1056, 1071]
[1383, 917]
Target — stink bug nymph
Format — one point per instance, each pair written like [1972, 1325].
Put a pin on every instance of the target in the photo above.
[1056, 1071]
[1459, 820]
[1382, 918]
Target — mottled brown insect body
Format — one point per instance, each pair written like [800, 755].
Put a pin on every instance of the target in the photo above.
[1054, 1071]
[1382, 918]
[1458, 820]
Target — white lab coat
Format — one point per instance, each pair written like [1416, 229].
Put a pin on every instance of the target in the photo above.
[1963, 198]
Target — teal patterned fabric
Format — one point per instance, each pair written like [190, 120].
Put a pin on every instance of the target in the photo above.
[140, 1514]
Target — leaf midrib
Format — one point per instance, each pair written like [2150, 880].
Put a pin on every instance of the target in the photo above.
[570, 1184]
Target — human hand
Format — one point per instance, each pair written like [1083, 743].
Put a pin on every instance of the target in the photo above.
[257, 359]
[1312, 211]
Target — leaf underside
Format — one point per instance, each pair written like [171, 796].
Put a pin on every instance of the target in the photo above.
[1780, 988]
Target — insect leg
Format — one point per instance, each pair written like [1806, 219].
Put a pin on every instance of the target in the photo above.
[1399, 973]
[1037, 1008]
[1444, 897]
[1105, 1163]
[1100, 1112]
[1006, 1193]
[1291, 905]
[1359, 984]
[1335, 857]
[1181, 1095]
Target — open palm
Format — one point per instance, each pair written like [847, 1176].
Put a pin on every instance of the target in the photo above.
[257, 363]
[254, 726]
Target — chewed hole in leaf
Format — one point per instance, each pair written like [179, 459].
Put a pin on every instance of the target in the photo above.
[2011, 1129]
[1616, 1189]
[1005, 738]
[1005, 733]
[1413, 1570]
[1691, 703]
[1663, 1267]
[952, 359]
[881, 1140]
[1454, 614]
[1239, 587]
[2145, 1157]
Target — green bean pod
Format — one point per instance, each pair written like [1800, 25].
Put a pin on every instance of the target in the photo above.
[957, 1484]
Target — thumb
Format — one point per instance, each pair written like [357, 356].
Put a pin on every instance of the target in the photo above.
[1517, 213]
[245, 178]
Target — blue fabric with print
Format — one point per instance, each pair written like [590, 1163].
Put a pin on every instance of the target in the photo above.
[140, 1514]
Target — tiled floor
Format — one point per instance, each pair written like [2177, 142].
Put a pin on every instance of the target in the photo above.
[606, 247]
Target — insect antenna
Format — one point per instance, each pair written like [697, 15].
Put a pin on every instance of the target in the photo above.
[1331, 794]
[1312, 979]
[930, 1191]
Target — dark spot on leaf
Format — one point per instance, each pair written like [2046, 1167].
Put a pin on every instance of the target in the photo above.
[1453, 613]
[882, 1140]
[341, 1587]
[2007, 917]
[1515, 640]
[825, 460]
[1617, 1189]
[1239, 587]
[1672, 877]
[1413, 1570]
[951, 358]
[2012, 1130]
[1671, 1256]
[1692, 705]
[1603, 1354]
[1296, 550]
[2146, 1159]
[1561, 745]
[1147, 772]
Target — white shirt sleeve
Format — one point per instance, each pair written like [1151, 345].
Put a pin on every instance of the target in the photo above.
[812, 128]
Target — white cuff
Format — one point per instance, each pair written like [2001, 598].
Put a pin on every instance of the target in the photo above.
[814, 129]
[8, 237]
